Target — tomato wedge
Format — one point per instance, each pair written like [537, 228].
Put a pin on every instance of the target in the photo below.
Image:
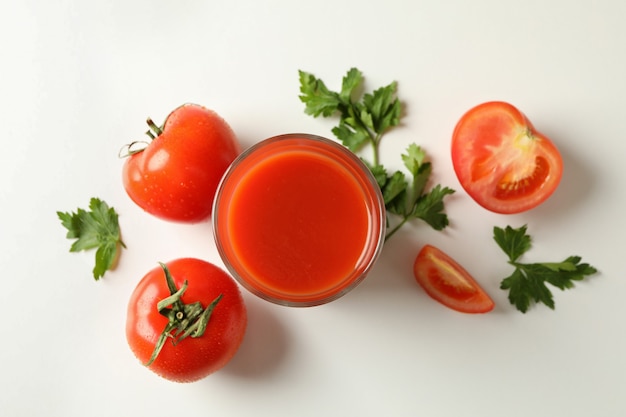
[449, 283]
[501, 161]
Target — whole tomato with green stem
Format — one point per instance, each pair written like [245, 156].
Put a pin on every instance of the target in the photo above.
[186, 319]
[175, 176]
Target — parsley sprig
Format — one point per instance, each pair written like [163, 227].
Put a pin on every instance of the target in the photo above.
[527, 283]
[365, 122]
[98, 228]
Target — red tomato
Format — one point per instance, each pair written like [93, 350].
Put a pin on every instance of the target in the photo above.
[196, 356]
[175, 177]
[449, 283]
[501, 161]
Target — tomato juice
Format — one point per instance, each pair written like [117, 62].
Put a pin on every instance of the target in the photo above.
[299, 220]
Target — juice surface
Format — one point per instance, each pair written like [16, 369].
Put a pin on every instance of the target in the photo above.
[298, 223]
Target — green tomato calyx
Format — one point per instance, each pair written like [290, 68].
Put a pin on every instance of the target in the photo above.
[183, 319]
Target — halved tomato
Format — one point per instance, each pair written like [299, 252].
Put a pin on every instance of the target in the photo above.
[449, 283]
[501, 161]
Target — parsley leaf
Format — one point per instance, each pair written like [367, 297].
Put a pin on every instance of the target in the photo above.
[410, 199]
[365, 121]
[95, 229]
[320, 101]
[430, 208]
[361, 122]
[527, 283]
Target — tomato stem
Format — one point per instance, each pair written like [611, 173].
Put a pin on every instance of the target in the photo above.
[154, 130]
[132, 148]
[183, 319]
[139, 145]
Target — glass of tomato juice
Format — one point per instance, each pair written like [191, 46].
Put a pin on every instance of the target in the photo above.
[298, 220]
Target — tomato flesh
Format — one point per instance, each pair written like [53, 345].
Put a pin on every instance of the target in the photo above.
[511, 187]
[449, 283]
[502, 161]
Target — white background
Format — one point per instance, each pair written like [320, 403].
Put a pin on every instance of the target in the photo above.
[79, 78]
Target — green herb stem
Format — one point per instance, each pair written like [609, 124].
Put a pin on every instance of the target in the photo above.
[396, 228]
